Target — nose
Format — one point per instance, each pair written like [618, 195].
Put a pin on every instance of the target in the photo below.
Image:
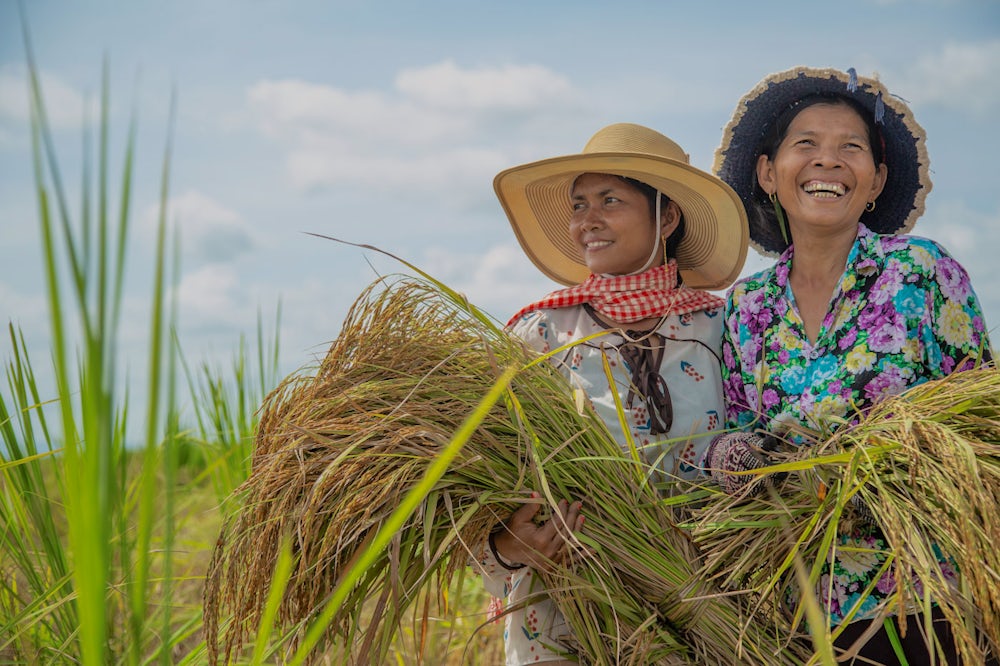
[827, 155]
[589, 217]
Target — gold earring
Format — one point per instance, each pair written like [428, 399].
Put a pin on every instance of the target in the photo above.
[666, 260]
[870, 206]
[773, 196]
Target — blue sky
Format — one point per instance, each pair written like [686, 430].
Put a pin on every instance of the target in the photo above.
[385, 122]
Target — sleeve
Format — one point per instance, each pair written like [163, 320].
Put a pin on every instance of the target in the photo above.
[533, 328]
[737, 380]
[496, 579]
[958, 337]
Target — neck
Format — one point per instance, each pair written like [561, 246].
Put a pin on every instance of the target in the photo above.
[821, 257]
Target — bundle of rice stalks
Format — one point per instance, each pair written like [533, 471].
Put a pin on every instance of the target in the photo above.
[340, 449]
[924, 468]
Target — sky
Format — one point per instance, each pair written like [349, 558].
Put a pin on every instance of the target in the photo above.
[384, 123]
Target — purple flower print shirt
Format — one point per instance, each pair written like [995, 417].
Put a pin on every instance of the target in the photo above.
[903, 313]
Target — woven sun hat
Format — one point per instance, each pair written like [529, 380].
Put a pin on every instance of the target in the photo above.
[536, 198]
[908, 182]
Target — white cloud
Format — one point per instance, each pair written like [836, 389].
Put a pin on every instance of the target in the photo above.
[972, 237]
[309, 167]
[25, 310]
[308, 112]
[499, 281]
[433, 131]
[447, 86]
[211, 295]
[210, 232]
[63, 105]
[960, 77]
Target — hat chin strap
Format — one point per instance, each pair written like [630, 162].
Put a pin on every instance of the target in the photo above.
[656, 243]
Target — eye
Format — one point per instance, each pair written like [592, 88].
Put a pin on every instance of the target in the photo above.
[578, 206]
[611, 199]
[855, 146]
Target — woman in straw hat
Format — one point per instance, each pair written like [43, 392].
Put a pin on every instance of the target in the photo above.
[833, 172]
[637, 234]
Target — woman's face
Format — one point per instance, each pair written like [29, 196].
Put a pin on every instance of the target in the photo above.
[611, 224]
[823, 170]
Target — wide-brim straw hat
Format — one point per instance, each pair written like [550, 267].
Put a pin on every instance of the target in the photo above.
[536, 198]
[908, 181]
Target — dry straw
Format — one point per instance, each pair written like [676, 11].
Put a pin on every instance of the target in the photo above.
[926, 464]
[339, 447]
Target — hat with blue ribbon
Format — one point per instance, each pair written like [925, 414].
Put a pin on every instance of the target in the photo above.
[908, 180]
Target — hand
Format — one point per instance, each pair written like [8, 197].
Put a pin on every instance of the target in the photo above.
[732, 454]
[522, 541]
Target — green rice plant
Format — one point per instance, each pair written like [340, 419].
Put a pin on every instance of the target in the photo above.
[926, 464]
[81, 510]
[225, 405]
[35, 615]
[389, 463]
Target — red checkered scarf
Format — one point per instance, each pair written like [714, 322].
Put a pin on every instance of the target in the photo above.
[630, 298]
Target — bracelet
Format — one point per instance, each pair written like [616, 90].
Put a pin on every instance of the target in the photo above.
[496, 555]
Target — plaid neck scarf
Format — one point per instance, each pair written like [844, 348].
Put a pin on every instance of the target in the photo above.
[630, 298]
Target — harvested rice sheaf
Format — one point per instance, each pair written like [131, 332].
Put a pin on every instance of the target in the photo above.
[924, 467]
[340, 445]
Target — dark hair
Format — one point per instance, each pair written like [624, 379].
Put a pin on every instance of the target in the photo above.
[674, 240]
[776, 133]
[778, 130]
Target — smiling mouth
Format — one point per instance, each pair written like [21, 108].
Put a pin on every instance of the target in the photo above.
[821, 190]
[596, 245]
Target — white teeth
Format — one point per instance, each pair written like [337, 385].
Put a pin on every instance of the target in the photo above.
[825, 189]
[596, 244]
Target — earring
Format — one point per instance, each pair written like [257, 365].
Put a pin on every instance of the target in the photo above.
[666, 259]
[779, 211]
[870, 206]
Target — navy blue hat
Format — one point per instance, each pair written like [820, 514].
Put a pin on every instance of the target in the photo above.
[908, 180]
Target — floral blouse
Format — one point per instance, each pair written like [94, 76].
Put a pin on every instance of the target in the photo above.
[690, 367]
[903, 313]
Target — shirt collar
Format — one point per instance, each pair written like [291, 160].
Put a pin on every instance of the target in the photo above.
[865, 258]
[867, 255]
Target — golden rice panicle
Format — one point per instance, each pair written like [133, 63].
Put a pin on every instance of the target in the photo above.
[935, 488]
[339, 446]
[335, 450]
[926, 463]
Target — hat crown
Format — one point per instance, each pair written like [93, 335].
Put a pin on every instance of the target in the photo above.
[631, 138]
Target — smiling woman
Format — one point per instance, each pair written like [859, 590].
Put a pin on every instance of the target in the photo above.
[637, 232]
[611, 223]
[834, 171]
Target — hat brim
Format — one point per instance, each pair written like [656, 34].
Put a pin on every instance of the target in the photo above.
[536, 199]
[908, 180]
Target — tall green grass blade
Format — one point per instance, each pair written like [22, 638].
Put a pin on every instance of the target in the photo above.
[817, 618]
[279, 582]
[897, 646]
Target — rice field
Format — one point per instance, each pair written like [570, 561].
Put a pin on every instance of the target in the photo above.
[327, 517]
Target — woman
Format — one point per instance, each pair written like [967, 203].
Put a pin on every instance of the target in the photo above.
[639, 233]
[833, 172]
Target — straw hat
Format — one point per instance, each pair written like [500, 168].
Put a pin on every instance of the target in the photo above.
[536, 198]
[902, 199]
